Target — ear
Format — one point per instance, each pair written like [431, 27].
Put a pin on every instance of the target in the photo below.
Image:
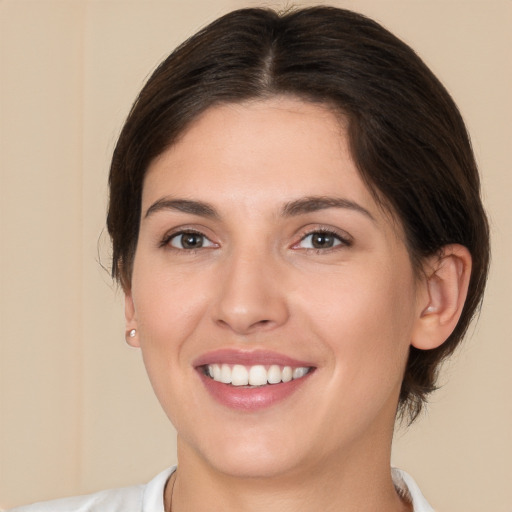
[131, 334]
[442, 296]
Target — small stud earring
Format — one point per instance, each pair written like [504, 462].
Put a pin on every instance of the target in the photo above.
[132, 333]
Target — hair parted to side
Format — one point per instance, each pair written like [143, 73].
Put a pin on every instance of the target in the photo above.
[406, 134]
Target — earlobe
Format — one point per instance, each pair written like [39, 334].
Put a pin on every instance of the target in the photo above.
[131, 334]
[445, 288]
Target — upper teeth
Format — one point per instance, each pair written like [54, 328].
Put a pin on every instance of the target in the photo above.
[258, 375]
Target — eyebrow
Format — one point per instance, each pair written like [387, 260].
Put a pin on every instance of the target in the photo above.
[300, 206]
[182, 205]
[316, 203]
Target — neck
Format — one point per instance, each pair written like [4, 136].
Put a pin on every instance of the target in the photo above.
[348, 482]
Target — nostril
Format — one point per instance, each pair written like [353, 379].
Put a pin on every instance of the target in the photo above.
[241, 326]
[261, 323]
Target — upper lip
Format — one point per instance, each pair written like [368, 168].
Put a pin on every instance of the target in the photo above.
[248, 358]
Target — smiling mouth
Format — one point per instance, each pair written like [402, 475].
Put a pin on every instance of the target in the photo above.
[254, 376]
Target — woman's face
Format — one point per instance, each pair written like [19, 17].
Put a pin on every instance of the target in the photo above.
[263, 256]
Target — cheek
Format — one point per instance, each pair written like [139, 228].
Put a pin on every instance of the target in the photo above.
[168, 309]
[167, 304]
[365, 318]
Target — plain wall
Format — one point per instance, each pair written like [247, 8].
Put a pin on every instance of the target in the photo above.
[76, 410]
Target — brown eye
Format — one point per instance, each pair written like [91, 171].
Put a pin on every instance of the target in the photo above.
[321, 240]
[190, 240]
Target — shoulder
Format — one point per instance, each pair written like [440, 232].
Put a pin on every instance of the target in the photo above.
[138, 498]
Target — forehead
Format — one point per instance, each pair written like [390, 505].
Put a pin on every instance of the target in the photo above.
[281, 144]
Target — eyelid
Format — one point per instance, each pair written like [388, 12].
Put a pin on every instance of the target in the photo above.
[344, 237]
[182, 230]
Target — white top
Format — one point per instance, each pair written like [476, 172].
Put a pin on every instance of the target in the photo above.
[150, 497]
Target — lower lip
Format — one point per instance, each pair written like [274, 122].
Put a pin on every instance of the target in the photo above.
[251, 398]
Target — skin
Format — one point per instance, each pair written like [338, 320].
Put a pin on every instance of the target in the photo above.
[351, 310]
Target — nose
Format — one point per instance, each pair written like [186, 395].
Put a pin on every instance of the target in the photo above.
[252, 295]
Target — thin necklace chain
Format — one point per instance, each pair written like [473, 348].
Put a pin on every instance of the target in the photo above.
[172, 492]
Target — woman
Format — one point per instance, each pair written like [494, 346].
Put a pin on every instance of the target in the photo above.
[297, 227]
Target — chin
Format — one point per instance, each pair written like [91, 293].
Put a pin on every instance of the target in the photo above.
[255, 454]
[256, 466]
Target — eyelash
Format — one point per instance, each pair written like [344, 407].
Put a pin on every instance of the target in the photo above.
[343, 240]
[166, 242]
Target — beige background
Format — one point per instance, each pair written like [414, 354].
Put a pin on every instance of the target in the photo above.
[76, 411]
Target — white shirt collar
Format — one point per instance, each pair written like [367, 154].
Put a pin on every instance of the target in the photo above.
[405, 483]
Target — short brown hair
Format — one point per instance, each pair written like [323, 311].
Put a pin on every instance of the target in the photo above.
[406, 134]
